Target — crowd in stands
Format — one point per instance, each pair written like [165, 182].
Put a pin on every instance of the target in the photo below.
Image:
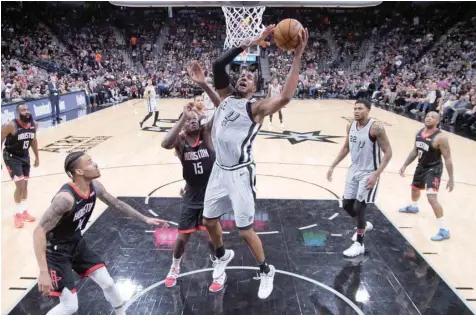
[403, 56]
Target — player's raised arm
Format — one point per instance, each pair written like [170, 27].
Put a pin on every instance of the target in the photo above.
[61, 204]
[342, 154]
[195, 72]
[172, 138]
[271, 105]
[221, 79]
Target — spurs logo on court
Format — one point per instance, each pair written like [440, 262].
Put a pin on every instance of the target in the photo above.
[292, 136]
[72, 143]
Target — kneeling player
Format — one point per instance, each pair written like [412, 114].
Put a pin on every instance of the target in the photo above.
[59, 245]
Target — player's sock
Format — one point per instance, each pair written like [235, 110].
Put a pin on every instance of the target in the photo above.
[441, 223]
[415, 204]
[18, 208]
[220, 252]
[120, 311]
[264, 267]
[176, 262]
[360, 236]
[23, 205]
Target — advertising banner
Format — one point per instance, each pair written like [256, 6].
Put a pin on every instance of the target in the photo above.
[41, 108]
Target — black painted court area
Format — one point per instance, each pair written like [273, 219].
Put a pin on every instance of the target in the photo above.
[390, 279]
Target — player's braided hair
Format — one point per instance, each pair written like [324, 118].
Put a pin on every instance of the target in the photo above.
[70, 162]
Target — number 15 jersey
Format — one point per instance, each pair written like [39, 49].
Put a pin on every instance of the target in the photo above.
[197, 162]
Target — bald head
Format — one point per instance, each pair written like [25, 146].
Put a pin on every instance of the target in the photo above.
[432, 119]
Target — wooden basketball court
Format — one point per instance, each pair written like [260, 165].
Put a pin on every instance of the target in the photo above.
[291, 164]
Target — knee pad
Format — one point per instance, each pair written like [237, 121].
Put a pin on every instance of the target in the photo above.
[102, 278]
[348, 206]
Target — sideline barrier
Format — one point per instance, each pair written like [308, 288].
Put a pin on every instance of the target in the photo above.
[41, 108]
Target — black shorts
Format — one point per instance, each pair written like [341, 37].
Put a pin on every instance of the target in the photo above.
[428, 178]
[18, 167]
[190, 219]
[63, 258]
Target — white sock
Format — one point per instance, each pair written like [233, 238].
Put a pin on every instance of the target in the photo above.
[176, 262]
[120, 311]
[18, 208]
[23, 205]
[415, 204]
[441, 223]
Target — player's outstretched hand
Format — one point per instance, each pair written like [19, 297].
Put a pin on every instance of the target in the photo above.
[303, 38]
[261, 39]
[329, 174]
[402, 171]
[44, 283]
[159, 222]
[195, 72]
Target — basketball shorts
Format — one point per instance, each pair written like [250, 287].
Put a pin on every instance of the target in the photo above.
[65, 258]
[355, 186]
[18, 167]
[152, 105]
[428, 178]
[190, 220]
[232, 190]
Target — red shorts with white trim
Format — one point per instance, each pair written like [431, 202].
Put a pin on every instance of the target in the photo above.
[18, 167]
[66, 259]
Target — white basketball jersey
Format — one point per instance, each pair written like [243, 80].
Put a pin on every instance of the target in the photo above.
[274, 91]
[234, 132]
[150, 89]
[364, 152]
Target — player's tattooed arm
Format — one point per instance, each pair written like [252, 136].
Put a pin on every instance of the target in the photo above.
[378, 131]
[444, 146]
[117, 204]
[61, 205]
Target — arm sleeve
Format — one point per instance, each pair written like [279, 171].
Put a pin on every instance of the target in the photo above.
[220, 77]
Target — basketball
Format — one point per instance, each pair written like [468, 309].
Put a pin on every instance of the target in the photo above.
[286, 34]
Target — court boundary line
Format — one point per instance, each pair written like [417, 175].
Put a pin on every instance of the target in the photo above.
[291, 274]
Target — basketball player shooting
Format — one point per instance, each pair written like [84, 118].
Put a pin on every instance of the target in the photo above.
[19, 135]
[365, 139]
[195, 150]
[234, 126]
[274, 90]
[151, 101]
[430, 145]
[58, 242]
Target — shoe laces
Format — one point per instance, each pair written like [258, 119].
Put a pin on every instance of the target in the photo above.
[173, 273]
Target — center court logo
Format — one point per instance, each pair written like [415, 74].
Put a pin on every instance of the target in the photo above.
[293, 137]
